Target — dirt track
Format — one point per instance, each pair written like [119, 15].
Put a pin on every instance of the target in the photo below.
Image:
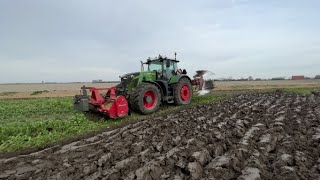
[251, 136]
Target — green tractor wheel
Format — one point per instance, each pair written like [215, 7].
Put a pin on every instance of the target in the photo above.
[183, 92]
[146, 98]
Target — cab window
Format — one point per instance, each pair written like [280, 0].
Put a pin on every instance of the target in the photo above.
[169, 71]
[155, 66]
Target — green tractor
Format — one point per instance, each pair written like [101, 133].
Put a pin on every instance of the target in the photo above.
[159, 82]
[143, 92]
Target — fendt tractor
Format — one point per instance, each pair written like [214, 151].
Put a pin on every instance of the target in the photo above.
[159, 81]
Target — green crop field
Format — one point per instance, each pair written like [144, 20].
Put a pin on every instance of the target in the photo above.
[28, 123]
[36, 122]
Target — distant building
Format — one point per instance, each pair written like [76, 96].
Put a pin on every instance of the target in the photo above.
[300, 77]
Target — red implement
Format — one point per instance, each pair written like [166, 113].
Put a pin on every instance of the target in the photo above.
[111, 104]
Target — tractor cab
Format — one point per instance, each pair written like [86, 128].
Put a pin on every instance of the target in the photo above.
[165, 68]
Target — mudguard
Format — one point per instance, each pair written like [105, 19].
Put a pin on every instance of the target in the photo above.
[176, 78]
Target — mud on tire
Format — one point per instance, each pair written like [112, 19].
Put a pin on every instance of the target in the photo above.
[182, 92]
[145, 99]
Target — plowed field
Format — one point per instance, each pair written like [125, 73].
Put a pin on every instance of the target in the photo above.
[250, 136]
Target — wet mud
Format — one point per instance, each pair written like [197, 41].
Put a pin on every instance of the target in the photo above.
[249, 136]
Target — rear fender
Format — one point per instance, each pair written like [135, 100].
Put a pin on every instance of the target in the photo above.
[176, 78]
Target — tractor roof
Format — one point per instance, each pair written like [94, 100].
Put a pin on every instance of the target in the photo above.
[160, 58]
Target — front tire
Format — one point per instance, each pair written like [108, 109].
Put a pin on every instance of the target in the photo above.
[146, 98]
[183, 92]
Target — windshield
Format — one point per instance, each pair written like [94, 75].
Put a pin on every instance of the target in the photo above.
[155, 66]
[173, 66]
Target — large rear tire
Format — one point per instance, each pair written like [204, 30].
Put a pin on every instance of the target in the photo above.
[183, 92]
[146, 98]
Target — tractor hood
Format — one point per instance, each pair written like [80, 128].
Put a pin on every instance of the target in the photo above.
[126, 80]
[130, 74]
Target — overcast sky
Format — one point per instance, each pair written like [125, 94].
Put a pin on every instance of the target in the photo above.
[78, 40]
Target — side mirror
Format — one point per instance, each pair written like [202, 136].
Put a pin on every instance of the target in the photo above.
[168, 64]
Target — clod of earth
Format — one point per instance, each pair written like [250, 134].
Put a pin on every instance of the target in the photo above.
[250, 136]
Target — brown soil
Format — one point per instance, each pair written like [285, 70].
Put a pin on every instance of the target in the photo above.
[21, 91]
[24, 95]
[18, 91]
[250, 136]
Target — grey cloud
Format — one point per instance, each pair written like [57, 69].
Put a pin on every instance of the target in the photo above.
[104, 39]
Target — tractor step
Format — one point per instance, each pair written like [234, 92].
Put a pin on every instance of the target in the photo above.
[169, 99]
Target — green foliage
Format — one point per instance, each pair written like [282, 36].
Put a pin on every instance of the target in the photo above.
[206, 99]
[27, 123]
[37, 122]
[300, 90]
